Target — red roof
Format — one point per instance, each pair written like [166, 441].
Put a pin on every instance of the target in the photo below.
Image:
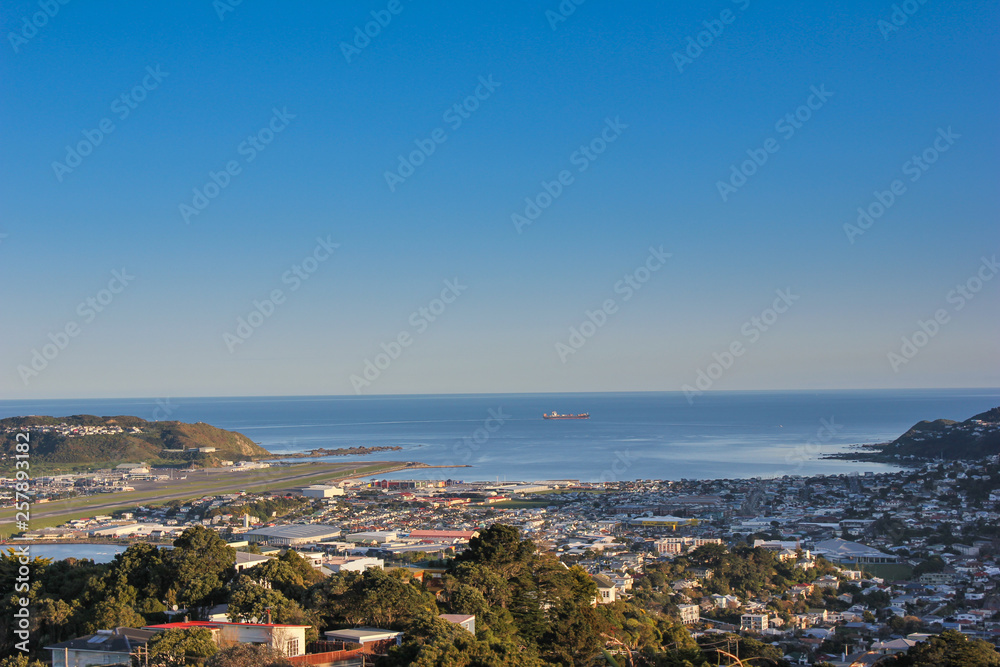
[216, 624]
[450, 534]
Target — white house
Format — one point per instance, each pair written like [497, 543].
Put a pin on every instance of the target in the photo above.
[690, 613]
[754, 622]
[245, 560]
[289, 639]
[606, 591]
[104, 647]
[467, 621]
[363, 635]
[351, 564]
[322, 491]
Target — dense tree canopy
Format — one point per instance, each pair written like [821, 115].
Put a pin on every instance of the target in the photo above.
[949, 649]
[172, 648]
[198, 568]
[531, 609]
[248, 655]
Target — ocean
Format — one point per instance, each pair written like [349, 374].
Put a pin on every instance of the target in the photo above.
[648, 435]
[99, 553]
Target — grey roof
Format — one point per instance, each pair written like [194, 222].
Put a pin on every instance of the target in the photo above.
[844, 548]
[297, 531]
[243, 557]
[602, 581]
[119, 640]
[362, 635]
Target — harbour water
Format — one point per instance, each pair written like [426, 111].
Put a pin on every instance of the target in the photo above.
[99, 553]
[649, 435]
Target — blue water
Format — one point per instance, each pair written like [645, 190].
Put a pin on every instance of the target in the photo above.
[655, 435]
[99, 553]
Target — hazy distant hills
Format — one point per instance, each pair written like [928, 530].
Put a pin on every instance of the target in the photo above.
[83, 439]
[974, 438]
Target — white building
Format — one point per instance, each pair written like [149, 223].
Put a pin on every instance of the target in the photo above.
[606, 591]
[245, 560]
[467, 621]
[290, 535]
[379, 536]
[352, 563]
[754, 622]
[104, 647]
[690, 613]
[842, 551]
[679, 545]
[362, 635]
[322, 491]
[289, 639]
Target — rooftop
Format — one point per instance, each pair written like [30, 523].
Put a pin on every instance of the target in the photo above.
[297, 531]
[186, 625]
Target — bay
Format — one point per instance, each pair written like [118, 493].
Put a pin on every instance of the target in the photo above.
[646, 435]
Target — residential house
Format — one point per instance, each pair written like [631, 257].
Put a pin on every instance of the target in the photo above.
[289, 639]
[754, 622]
[467, 621]
[606, 591]
[104, 647]
[690, 613]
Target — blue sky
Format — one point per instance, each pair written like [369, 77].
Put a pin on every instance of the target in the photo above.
[198, 86]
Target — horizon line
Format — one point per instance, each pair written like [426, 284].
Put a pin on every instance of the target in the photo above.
[500, 393]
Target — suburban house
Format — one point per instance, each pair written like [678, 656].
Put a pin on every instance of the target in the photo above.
[623, 582]
[363, 636]
[351, 564]
[467, 621]
[690, 613]
[246, 560]
[852, 553]
[754, 622]
[457, 535]
[104, 647]
[289, 639]
[606, 591]
[322, 491]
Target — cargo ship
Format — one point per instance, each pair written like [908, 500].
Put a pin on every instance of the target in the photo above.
[556, 415]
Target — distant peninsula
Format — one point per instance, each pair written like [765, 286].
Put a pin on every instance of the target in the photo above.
[942, 439]
[340, 451]
[90, 440]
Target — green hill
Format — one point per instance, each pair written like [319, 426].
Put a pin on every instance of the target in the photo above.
[974, 438]
[88, 439]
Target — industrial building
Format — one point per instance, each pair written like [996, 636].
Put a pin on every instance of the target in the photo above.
[284, 536]
[322, 491]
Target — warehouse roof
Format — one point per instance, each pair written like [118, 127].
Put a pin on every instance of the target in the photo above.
[297, 531]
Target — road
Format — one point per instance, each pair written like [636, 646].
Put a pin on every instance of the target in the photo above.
[201, 483]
